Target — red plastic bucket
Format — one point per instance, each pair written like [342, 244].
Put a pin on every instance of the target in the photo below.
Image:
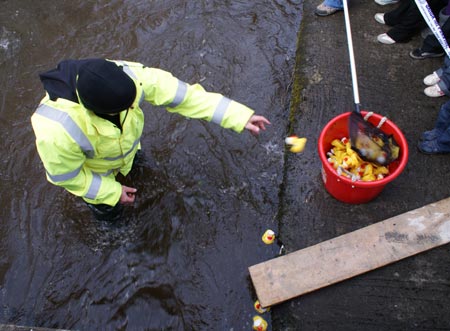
[342, 188]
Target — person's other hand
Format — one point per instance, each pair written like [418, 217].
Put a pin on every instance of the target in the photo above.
[128, 195]
[256, 123]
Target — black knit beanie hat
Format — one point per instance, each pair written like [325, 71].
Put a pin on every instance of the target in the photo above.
[105, 88]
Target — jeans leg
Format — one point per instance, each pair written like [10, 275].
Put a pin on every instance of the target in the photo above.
[444, 75]
[443, 118]
[442, 127]
[443, 141]
[334, 3]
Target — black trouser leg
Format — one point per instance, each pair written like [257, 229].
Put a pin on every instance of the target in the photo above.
[431, 44]
[104, 212]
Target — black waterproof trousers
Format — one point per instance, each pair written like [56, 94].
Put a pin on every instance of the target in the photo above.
[108, 213]
[406, 20]
[431, 44]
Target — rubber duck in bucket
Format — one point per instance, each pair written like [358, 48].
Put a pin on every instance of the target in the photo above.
[349, 164]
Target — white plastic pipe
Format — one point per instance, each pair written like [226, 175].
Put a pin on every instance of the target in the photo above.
[348, 29]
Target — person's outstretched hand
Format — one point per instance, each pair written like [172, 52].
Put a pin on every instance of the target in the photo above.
[128, 195]
[256, 123]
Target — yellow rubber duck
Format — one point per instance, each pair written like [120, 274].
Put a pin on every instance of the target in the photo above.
[260, 309]
[259, 323]
[349, 164]
[338, 144]
[268, 237]
[381, 171]
[368, 169]
[335, 157]
[297, 144]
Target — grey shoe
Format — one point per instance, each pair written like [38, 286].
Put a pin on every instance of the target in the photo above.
[418, 54]
[385, 2]
[324, 10]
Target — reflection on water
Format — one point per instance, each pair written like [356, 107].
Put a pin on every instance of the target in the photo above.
[9, 44]
[179, 258]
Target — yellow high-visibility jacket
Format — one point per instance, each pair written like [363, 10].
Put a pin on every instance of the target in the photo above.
[83, 152]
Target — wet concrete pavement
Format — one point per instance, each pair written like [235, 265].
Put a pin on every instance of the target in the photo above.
[412, 294]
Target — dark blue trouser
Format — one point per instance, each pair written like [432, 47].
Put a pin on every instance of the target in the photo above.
[444, 74]
[443, 125]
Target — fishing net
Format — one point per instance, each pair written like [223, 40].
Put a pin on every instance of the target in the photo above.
[370, 142]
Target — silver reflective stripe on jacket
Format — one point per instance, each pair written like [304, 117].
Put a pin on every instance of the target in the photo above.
[95, 186]
[124, 155]
[179, 95]
[63, 177]
[129, 72]
[71, 127]
[126, 69]
[220, 110]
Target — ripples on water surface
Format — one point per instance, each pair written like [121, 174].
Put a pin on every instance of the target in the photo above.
[179, 259]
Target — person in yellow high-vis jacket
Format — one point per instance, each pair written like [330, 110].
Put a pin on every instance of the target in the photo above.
[88, 125]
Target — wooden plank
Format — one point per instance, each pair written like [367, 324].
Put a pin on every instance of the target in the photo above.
[352, 254]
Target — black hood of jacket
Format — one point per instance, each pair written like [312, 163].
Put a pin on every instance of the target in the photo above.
[61, 81]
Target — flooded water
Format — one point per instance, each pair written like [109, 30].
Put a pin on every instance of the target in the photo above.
[179, 258]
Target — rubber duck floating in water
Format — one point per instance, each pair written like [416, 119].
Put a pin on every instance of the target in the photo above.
[268, 237]
[260, 308]
[259, 323]
[297, 144]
